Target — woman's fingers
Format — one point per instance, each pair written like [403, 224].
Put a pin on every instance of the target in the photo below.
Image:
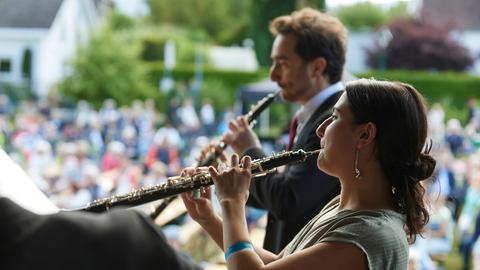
[187, 171]
[234, 161]
[213, 172]
[246, 162]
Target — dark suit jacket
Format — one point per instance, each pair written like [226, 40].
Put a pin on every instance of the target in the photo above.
[120, 239]
[295, 196]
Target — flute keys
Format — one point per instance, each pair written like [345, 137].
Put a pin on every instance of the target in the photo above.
[173, 180]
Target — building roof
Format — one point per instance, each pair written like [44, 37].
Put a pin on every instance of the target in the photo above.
[28, 13]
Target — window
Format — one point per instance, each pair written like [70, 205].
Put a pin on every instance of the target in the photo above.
[5, 65]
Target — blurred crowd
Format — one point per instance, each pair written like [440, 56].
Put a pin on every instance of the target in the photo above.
[79, 154]
[453, 193]
[76, 155]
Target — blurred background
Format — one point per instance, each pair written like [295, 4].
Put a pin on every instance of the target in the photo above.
[99, 97]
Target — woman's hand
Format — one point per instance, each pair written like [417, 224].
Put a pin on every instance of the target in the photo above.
[233, 183]
[200, 209]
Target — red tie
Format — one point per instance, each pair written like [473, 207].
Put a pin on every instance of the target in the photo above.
[292, 133]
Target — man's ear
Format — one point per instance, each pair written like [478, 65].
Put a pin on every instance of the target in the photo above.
[366, 134]
[319, 65]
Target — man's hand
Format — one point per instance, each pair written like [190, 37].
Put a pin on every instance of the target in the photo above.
[240, 135]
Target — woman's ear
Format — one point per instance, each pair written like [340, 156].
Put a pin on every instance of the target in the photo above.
[367, 133]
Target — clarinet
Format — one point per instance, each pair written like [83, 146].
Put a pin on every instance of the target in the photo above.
[176, 185]
[251, 116]
[220, 147]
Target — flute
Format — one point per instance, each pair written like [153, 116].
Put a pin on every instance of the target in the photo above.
[177, 185]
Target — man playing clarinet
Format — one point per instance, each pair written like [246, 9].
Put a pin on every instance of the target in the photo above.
[308, 56]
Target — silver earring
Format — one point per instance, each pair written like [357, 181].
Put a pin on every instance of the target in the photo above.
[357, 171]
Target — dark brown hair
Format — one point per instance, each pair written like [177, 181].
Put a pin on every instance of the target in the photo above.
[399, 112]
[318, 35]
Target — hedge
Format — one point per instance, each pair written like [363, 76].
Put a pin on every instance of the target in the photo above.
[435, 86]
[218, 85]
[451, 89]
[221, 87]
[186, 72]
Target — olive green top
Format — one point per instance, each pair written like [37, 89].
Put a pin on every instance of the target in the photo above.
[378, 233]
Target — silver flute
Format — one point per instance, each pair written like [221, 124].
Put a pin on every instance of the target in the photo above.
[177, 185]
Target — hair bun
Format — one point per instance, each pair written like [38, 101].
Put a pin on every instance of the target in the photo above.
[423, 167]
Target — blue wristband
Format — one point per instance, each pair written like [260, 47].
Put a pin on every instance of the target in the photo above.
[236, 248]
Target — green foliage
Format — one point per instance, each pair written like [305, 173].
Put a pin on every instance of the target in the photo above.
[221, 87]
[119, 21]
[317, 4]
[450, 89]
[218, 85]
[225, 22]
[184, 72]
[27, 64]
[368, 15]
[220, 19]
[238, 23]
[107, 67]
[262, 12]
[398, 11]
[152, 48]
[153, 42]
[220, 92]
[361, 15]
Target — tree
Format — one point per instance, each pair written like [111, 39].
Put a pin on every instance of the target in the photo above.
[153, 40]
[107, 67]
[368, 15]
[223, 21]
[420, 45]
[228, 21]
[120, 21]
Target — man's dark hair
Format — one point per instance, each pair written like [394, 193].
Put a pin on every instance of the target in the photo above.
[318, 35]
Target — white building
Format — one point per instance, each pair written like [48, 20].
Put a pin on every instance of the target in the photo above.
[233, 58]
[39, 37]
[132, 8]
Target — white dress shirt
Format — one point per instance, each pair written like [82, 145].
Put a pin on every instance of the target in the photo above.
[306, 111]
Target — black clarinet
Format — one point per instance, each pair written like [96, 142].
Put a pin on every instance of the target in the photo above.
[220, 147]
[177, 185]
[251, 116]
